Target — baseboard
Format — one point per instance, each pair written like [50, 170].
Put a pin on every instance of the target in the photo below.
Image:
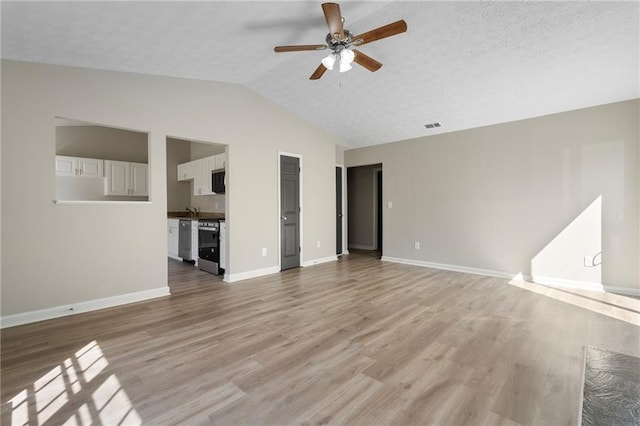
[230, 278]
[361, 247]
[627, 291]
[319, 261]
[548, 281]
[447, 267]
[80, 307]
[564, 283]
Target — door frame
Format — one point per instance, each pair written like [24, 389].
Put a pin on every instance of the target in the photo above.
[377, 201]
[344, 208]
[279, 215]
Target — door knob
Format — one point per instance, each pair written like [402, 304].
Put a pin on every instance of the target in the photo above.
[284, 218]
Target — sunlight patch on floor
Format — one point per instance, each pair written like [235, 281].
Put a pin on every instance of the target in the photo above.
[612, 305]
[55, 391]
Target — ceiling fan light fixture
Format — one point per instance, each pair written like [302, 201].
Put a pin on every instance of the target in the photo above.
[345, 66]
[329, 61]
[347, 56]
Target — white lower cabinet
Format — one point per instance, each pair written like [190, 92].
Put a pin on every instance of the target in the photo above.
[223, 245]
[125, 178]
[173, 235]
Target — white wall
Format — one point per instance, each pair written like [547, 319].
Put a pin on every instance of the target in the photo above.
[92, 251]
[495, 197]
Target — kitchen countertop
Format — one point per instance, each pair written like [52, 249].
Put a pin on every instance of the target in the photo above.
[201, 215]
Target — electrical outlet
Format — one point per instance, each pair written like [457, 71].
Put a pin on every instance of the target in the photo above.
[318, 244]
[588, 261]
[417, 245]
[216, 206]
[264, 251]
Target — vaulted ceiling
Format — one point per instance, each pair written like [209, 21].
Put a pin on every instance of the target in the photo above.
[461, 64]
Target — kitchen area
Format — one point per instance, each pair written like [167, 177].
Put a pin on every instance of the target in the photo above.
[196, 188]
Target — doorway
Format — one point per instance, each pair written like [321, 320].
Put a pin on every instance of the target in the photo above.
[339, 211]
[365, 206]
[290, 218]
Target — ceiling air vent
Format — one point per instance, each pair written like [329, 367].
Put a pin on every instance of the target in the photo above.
[432, 125]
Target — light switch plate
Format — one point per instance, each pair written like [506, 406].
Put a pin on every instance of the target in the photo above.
[389, 205]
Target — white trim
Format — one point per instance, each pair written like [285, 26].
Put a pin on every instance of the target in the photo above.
[564, 283]
[106, 202]
[361, 247]
[446, 267]
[547, 281]
[344, 207]
[584, 372]
[300, 218]
[376, 219]
[230, 278]
[629, 291]
[319, 261]
[80, 307]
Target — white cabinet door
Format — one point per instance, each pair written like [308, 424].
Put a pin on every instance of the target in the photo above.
[194, 241]
[196, 167]
[207, 166]
[173, 234]
[117, 178]
[79, 166]
[91, 167]
[186, 171]
[223, 245]
[221, 161]
[138, 179]
[66, 166]
[124, 178]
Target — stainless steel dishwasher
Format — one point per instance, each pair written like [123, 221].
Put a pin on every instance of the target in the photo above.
[184, 241]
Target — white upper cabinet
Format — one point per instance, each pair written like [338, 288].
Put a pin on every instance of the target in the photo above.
[221, 161]
[139, 183]
[200, 172]
[125, 178]
[79, 166]
[186, 171]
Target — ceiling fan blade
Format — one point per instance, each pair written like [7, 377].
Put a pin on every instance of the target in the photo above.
[380, 33]
[334, 18]
[318, 72]
[366, 61]
[299, 48]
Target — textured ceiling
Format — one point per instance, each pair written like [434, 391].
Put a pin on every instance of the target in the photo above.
[462, 64]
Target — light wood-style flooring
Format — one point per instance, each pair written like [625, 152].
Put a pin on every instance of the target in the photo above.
[358, 341]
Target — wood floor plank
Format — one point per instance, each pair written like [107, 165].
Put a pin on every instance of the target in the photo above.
[358, 341]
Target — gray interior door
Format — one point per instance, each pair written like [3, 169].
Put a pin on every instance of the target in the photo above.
[338, 210]
[289, 212]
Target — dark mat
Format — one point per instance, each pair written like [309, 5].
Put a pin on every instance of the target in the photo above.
[611, 393]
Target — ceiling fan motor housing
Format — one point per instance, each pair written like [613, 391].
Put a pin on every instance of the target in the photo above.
[338, 44]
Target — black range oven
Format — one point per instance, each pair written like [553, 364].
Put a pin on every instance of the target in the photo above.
[209, 246]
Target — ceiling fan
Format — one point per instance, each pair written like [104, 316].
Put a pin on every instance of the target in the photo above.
[341, 43]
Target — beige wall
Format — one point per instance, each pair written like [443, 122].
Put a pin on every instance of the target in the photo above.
[178, 193]
[102, 142]
[497, 197]
[101, 250]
